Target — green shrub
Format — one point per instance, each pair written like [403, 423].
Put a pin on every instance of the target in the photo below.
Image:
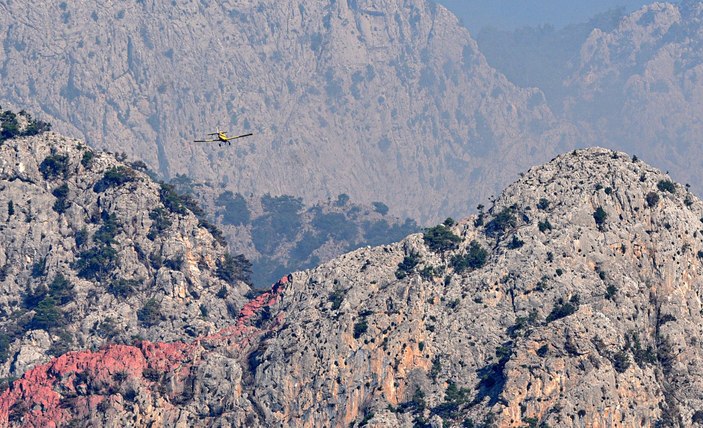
[652, 199]
[81, 237]
[360, 328]
[4, 348]
[39, 268]
[543, 204]
[109, 229]
[563, 309]
[599, 215]
[280, 223]
[666, 186]
[342, 199]
[475, 258]
[10, 208]
[515, 243]
[161, 222]
[232, 269]
[53, 166]
[62, 290]
[500, 224]
[150, 314]
[46, 315]
[611, 291]
[409, 263]
[440, 239]
[336, 297]
[61, 345]
[61, 194]
[9, 126]
[544, 226]
[96, 263]
[336, 226]
[87, 159]
[122, 288]
[114, 177]
[621, 361]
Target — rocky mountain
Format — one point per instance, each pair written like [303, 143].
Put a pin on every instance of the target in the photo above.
[384, 101]
[575, 300]
[92, 251]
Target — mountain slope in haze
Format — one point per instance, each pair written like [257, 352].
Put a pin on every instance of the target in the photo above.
[280, 234]
[574, 301]
[638, 87]
[92, 251]
[388, 100]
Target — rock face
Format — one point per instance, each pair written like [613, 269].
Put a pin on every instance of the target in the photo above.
[94, 251]
[382, 100]
[574, 301]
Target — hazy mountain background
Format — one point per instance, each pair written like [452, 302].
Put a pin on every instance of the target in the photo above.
[509, 15]
[387, 101]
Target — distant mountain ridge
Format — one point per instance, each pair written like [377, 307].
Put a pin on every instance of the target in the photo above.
[384, 101]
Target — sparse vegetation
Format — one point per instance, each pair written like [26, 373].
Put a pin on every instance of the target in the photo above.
[502, 223]
[114, 177]
[53, 166]
[666, 186]
[161, 222]
[410, 261]
[61, 194]
[234, 268]
[440, 239]
[599, 215]
[10, 126]
[150, 314]
[475, 258]
[652, 199]
[563, 309]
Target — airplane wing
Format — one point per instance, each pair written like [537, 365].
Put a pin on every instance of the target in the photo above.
[240, 136]
[205, 141]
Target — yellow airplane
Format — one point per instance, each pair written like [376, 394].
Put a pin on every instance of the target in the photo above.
[222, 138]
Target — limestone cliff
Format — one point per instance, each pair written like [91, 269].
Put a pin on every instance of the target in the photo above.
[92, 251]
[575, 300]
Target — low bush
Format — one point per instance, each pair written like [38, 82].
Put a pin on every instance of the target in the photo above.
[666, 186]
[114, 177]
[475, 258]
[53, 166]
[150, 314]
[441, 239]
